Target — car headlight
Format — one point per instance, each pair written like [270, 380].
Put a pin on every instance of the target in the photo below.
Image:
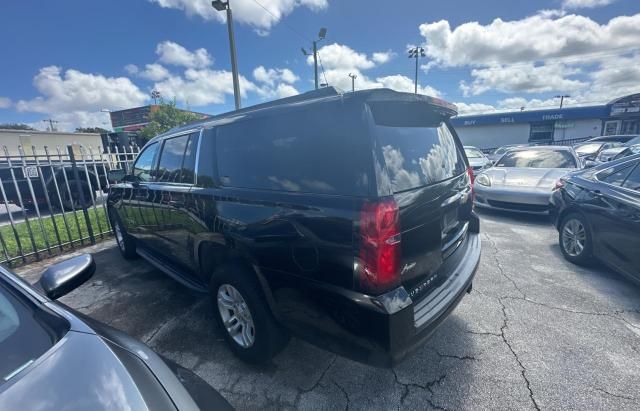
[483, 180]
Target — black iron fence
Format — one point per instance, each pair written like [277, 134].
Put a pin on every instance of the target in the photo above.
[53, 200]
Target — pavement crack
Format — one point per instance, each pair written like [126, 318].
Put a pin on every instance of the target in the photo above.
[346, 394]
[315, 385]
[428, 386]
[483, 333]
[499, 264]
[458, 357]
[523, 370]
[177, 319]
[624, 397]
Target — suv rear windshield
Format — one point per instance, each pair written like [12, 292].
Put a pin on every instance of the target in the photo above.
[419, 156]
[304, 152]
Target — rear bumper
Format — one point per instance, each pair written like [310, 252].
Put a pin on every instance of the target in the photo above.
[382, 330]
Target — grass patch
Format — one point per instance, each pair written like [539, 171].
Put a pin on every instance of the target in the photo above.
[46, 228]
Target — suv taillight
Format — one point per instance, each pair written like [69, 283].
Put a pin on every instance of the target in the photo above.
[472, 178]
[379, 246]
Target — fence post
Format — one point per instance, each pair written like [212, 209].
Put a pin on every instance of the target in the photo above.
[76, 177]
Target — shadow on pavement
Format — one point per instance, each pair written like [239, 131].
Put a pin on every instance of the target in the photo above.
[517, 218]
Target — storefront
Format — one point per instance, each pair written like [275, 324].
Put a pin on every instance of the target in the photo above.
[621, 116]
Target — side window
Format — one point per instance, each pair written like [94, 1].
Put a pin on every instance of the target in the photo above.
[614, 177]
[633, 181]
[206, 164]
[178, 159]
[144, 162]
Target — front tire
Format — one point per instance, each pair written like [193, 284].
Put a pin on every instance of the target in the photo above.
[576, 240]
[242, 313]
[126, 243]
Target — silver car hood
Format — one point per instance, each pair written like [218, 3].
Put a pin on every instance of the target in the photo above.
[543, 178]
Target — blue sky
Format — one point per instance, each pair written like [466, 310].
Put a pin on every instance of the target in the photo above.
[68, 60]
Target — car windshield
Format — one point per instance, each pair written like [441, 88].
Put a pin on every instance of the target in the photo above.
[473, 152]
[24, 333]
[634, 141]
[589, 148]
[540, 158]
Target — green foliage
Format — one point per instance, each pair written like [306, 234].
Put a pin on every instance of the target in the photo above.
[98, 130]
[15, 126]
[166, 117]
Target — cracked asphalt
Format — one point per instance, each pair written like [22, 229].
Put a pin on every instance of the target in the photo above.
[535, 333]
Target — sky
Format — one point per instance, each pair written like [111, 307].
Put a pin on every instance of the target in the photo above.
[73, 60]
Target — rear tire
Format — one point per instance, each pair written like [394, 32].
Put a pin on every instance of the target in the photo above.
[75, 201]
[575, 240]
[126, 243]
[242, 313]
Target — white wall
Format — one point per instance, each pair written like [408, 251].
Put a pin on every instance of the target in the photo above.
[14, 138]
[494, 135]
[577, 129]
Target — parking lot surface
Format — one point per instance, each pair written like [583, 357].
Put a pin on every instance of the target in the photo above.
[536, 332]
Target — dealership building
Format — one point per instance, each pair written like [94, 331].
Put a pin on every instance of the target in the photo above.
[621, 116]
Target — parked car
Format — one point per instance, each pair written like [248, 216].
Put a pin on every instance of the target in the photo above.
[628, 151]
[32, 182]
[499, 152]
[477, 160]
[612, 153]
[58, 359]
[344, 219]
[523, 178]
[613, 139]
[597, 214]
[589, 152]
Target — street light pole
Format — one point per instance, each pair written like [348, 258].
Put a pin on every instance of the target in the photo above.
[219, 5]
[353, 81]
[321, 36]
[416, 53]
[562, 99]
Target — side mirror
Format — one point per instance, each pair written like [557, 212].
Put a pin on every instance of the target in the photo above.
[116, 175]
[590, 164]
[62, 278]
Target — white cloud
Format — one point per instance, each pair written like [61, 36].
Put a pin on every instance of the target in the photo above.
[523, 78]
[131, 69]
[173, 53]
[271, 76]
[202, 87]
[538, 37]
[5, 102]
[77, 91]
[382, 57]
[245, 11]
[474, 108]
[154, 72]
[285, 90]
[579, 4]
[338, 56]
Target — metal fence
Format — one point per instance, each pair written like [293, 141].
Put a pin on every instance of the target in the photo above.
[54, 199]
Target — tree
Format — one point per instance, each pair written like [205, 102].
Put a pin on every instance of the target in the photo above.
[15, 126]
[98, 130]
[166, 117]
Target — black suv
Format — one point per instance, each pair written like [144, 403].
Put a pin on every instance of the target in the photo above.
[344, 219]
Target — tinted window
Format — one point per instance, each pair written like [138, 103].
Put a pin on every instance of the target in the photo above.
[613, 176]
[419, 156]
[303, 152]
[177, 159]
[537, 159]
[23, 335]
[633, 181]
[473, 152]
[144, 163]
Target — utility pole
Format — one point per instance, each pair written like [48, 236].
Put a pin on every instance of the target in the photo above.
[562, 97]
[416, 53]
[321, 35]
[353, 81]
[219, 5]
[51, 122]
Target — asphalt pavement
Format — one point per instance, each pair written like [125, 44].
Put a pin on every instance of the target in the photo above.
[535, 333]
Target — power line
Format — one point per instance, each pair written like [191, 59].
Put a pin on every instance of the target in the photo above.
[322, 68]
[283, 20]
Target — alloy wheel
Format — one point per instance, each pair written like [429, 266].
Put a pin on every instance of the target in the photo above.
[574, 237]
[236, 315]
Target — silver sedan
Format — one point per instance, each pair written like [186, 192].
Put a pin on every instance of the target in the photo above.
[523, 179]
